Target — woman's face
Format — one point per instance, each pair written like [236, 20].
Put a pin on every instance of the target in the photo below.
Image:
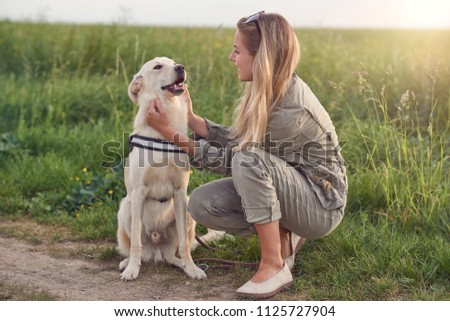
[242, 59]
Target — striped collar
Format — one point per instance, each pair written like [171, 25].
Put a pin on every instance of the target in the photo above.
[155, 144]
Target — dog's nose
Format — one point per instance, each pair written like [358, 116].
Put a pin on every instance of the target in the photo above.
[179, 68]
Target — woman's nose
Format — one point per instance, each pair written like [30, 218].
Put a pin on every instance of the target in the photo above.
[231, 56]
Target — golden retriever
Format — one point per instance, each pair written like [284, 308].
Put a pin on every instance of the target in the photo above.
[153, 222]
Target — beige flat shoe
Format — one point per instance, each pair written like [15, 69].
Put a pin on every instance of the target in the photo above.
[268, 288]
[296, 244]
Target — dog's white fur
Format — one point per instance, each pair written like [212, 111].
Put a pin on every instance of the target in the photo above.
[148, 229]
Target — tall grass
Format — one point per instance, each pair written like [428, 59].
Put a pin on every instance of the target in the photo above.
[63, 95]
[406, 163]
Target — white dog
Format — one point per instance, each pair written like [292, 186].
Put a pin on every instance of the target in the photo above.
[153, 222]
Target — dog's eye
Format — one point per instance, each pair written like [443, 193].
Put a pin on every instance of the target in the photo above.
[157, 67]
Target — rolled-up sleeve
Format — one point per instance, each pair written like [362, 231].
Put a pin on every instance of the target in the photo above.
[215, 151]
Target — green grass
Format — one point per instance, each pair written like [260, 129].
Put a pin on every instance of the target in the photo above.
[64, 110]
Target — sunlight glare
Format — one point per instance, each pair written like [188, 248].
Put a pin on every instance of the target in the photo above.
[427, 13]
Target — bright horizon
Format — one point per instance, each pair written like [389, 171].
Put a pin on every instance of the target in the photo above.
[402, 14]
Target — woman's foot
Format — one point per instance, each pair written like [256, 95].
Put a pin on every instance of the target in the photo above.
[285, 239]
[279, 281]
[290, 245]
[266, 271]
[273, 274]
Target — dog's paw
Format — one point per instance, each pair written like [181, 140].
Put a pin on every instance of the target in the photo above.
[130, 273]
[195, 272]
[123, 265]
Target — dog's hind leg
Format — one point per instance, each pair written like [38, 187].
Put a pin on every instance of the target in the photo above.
[137, 205]
[184, 248]
[172, 259]
[170, 249]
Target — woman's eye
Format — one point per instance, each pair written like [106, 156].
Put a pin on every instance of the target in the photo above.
[157, 67]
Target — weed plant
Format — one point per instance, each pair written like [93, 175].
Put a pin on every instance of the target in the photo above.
[65, 111]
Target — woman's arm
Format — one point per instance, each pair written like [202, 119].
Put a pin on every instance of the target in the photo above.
[214, 154]
[198, 125]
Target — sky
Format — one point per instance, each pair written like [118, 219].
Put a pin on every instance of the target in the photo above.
[215, 13]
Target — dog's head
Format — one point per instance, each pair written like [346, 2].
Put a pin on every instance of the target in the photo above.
[158, 77]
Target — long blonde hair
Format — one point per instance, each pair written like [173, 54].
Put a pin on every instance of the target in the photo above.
[276, 49]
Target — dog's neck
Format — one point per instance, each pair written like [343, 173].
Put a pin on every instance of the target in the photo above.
[176, 113]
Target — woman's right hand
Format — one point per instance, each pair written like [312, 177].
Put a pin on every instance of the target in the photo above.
[195, 122]
[187, 97]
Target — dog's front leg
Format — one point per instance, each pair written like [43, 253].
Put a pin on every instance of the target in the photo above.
[137, 205]
[184, 249]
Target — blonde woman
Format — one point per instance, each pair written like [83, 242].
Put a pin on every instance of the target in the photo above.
[288, 180]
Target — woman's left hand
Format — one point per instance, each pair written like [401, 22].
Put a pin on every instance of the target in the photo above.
[156, 115]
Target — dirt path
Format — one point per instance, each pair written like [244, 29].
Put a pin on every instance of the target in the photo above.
[61, 271]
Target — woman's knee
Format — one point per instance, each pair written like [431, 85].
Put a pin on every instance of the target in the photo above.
[216, 205]
[197, 204]
[213, 199]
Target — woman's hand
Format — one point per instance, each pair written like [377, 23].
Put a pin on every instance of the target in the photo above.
[195, 122]
[157, 116]
[187, 98]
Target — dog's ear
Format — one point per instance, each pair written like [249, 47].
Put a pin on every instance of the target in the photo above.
[134, 87]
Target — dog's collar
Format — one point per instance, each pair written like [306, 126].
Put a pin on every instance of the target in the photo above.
[155, 144]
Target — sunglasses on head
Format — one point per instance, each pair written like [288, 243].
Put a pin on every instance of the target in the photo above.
[254, 17]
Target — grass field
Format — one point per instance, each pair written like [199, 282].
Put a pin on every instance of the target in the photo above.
[64, 112]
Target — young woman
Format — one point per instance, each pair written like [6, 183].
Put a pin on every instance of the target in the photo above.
[288, 180]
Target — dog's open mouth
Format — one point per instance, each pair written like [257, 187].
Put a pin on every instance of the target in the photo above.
[177, 87]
